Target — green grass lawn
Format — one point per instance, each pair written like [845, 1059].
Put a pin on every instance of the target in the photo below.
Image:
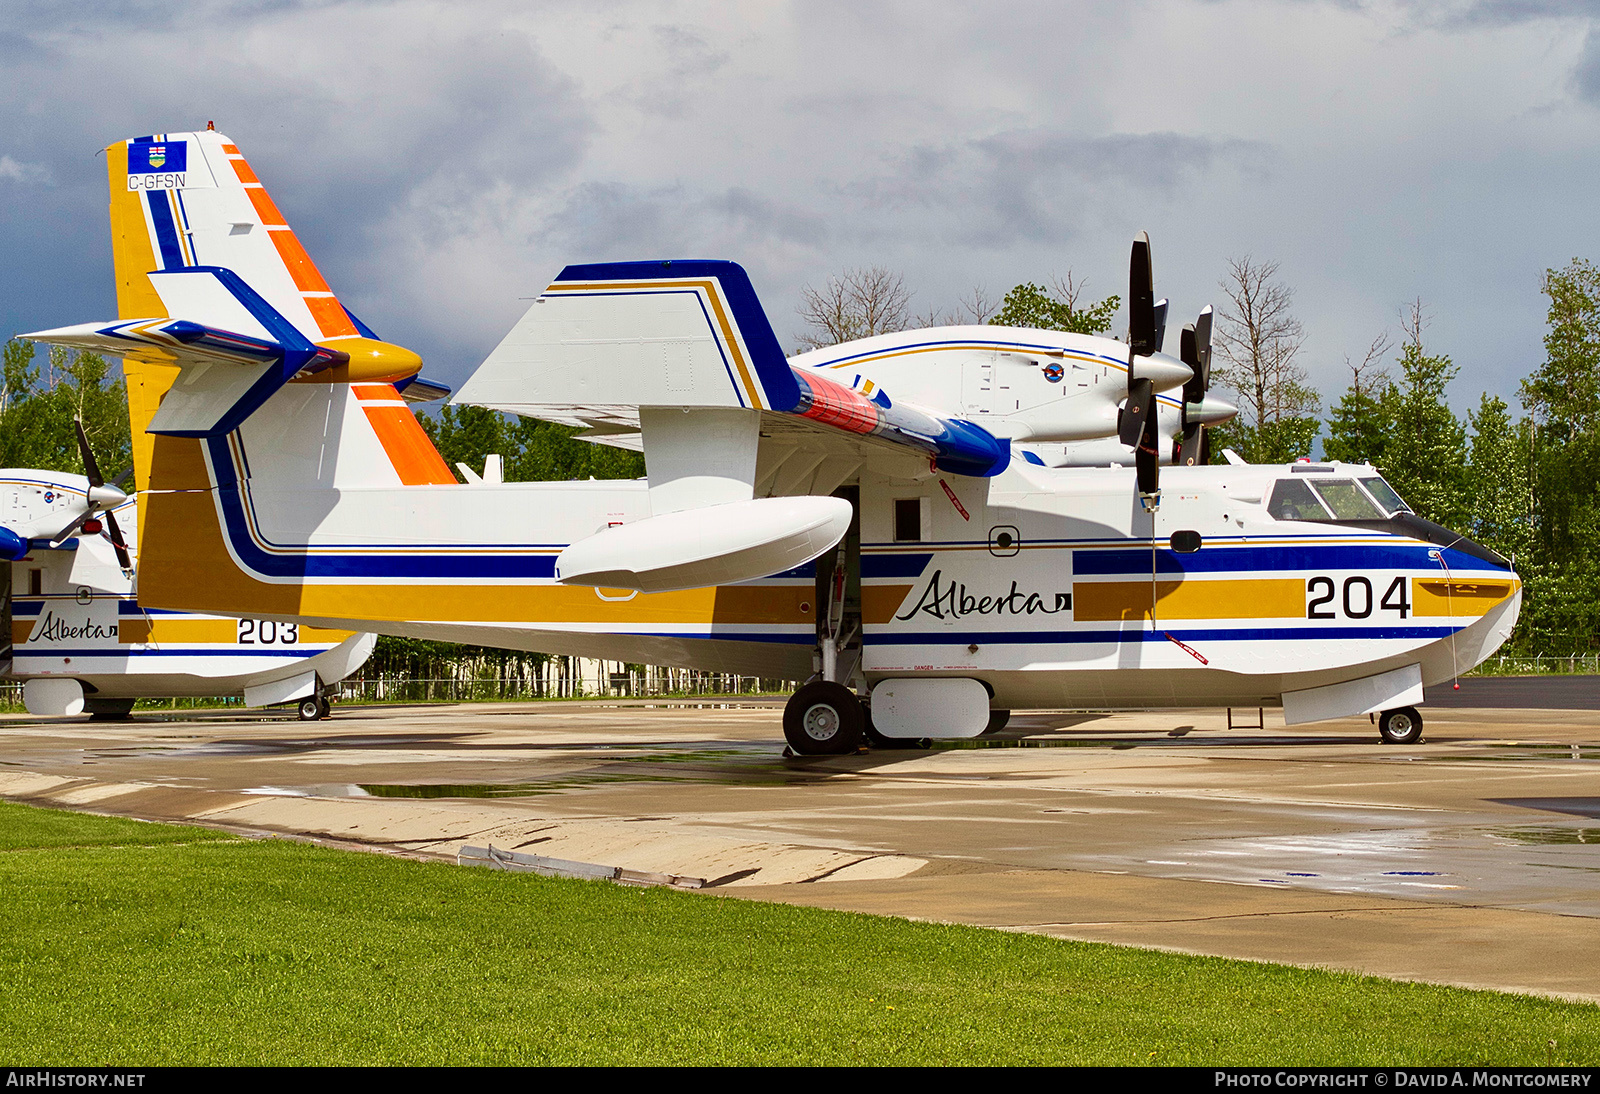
[125, 943]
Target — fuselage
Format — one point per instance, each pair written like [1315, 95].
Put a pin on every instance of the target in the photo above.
[1053, 586]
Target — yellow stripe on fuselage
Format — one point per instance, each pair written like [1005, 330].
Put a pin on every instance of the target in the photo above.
[1438, 597]
[1244, 598]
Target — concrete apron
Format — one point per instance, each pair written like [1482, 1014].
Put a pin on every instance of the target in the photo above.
[1462, 945]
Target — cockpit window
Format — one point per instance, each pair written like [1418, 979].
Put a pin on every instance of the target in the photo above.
[1385, 495]
[1292, 499]
[1347, 501]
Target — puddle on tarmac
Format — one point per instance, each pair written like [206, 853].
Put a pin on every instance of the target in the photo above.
[739, 767]
[1121, 743]
[1491, 863]
[1549, 835]
[1524, 752]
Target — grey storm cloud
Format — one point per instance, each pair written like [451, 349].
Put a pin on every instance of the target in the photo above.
[442, 160]
[1032, 185]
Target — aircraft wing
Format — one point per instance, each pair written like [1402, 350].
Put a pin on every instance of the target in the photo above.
[605, 341]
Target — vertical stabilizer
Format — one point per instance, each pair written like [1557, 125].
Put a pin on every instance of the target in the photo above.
[191, 199]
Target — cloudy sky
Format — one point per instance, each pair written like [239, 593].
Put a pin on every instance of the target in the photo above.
[442, 161]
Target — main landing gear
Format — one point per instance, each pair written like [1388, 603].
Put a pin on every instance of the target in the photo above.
[824, 718]
[314, 708]
[1400, 727]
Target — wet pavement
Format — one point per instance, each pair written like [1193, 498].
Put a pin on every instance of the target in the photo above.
[1471, 858]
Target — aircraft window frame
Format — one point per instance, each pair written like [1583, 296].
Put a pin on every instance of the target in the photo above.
[1278, 502]
[1399, 505]
[1338, 500]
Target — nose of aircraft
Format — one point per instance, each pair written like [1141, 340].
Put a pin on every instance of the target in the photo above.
[1163, 372]
[1412, 525]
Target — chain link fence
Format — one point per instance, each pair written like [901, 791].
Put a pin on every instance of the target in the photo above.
[660, 683]
[520, 688]
[656, 682]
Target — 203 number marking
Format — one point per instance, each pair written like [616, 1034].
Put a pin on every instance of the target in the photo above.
[1357, 599]
[265, 632]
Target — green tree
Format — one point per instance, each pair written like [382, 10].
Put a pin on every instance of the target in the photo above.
[1561, 607]
[1425, 456]
[1357, 428]
[1499, 480]
[1030, 305]
[36, 412]
[533, 450]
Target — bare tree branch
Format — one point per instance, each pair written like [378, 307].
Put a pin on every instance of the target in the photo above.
[1258, 340]
[857, 304]
[1413, 321]
[1370, 376]
[1068, 289]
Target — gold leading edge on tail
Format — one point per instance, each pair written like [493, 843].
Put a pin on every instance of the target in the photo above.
[878, 517]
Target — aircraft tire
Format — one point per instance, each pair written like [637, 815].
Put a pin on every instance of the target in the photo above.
[327, 707]
[997, 721]
[309, 709]
[108, 710]
[1402, 726]
[823, 719]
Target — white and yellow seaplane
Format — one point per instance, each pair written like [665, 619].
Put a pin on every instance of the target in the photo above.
[73, 630]
[874, 517]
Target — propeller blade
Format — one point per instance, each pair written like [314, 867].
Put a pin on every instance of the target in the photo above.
[1147, 459]
[1202, 340]
[66, 533]
[122, 478]
[1193, 447]
[1194, 388]
[1136, 413]
[90, 467]
[118, 545]
[1147, 463]
[1161, 323]
[1141, 303]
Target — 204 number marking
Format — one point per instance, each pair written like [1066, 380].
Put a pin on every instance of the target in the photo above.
[265, 632]
[1325, 599]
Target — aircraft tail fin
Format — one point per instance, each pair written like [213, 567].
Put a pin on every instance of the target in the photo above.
[181, 200]
[211, 278]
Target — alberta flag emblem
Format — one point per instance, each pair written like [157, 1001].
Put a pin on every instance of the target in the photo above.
[145, 157]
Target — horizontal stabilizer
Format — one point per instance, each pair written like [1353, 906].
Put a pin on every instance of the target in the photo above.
[420, 389]
[714, 545]
[233, 348]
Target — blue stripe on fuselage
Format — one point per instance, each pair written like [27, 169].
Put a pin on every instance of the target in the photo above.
[1267, 559]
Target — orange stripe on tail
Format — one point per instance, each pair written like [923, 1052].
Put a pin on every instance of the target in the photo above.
[408, 447]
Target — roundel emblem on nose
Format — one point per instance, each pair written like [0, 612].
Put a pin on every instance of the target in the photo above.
[1053, 372]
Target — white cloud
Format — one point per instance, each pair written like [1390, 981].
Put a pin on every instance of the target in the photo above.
[14, 171]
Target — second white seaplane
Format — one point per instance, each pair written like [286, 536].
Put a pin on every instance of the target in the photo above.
[866, 517]
[74, 632]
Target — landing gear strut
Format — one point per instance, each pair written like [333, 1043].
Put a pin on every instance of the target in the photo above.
[826, 717]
